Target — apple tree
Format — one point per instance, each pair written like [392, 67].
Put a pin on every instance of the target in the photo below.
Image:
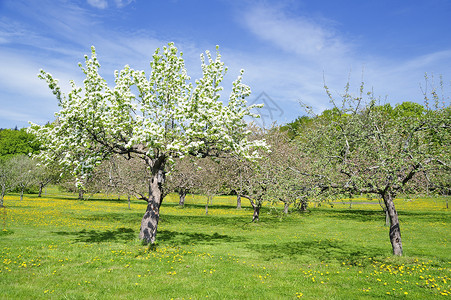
[157, 118]
[360, 147]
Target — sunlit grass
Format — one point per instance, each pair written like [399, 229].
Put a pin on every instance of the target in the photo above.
[60, 247]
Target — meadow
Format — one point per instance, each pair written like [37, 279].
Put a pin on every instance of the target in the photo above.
[58, 247]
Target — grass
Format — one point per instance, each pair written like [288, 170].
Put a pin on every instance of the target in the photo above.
[61, 248]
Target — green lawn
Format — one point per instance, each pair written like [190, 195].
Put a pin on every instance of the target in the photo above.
[62, 248]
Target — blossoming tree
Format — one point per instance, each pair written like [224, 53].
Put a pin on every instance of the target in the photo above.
[156, 118]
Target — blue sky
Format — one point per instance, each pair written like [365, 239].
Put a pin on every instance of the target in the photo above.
[285, 47]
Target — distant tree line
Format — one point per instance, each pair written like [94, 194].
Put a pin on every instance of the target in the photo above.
[19, 170]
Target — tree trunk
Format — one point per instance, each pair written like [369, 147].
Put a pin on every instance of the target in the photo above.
[182, 195]
[40, 189]
[387, 218]
[304, 205]
[238, 202]
[206, 204]
[395, 231]
[256, 207]
[256, 213]
[128, 202]
[150, 219]
[285, 207]
[80, 194]
[21, 194]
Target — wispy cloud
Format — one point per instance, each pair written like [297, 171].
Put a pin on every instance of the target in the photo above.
[122, 3]
[306, 49]
[289, 56]
[299, 35]
[102, 4]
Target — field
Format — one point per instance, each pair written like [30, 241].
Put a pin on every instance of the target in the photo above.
[58, 247]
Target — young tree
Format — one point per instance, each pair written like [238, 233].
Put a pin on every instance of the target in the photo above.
[363, 148]
[168, 118]
[211, 181]
[23, 171]
[247, 180]
[46, 174]
[183, 178]
[122, 176]
[273, 178]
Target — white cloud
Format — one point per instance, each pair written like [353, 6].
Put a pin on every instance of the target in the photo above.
[122, 3]
[102, 4]
[303, 49]
[297, 51]
[298, 35]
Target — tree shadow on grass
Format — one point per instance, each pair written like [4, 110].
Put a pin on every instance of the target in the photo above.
[5, 232]
[119, 216]
[379, 215]
[207, 220]
[356, 214]
[97, 236]
[134, 218]
[202, 206]
[323, 250]
[175, 238]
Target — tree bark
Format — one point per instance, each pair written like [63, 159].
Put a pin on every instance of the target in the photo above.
[286, 205]
[209, 198]
[151, 217]
[395, 231]
[80, 194]
[128, 202]
[238, 202]
[256, 207]
[182, 195]
[256, 213]
[304, 204]
[40, 190]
